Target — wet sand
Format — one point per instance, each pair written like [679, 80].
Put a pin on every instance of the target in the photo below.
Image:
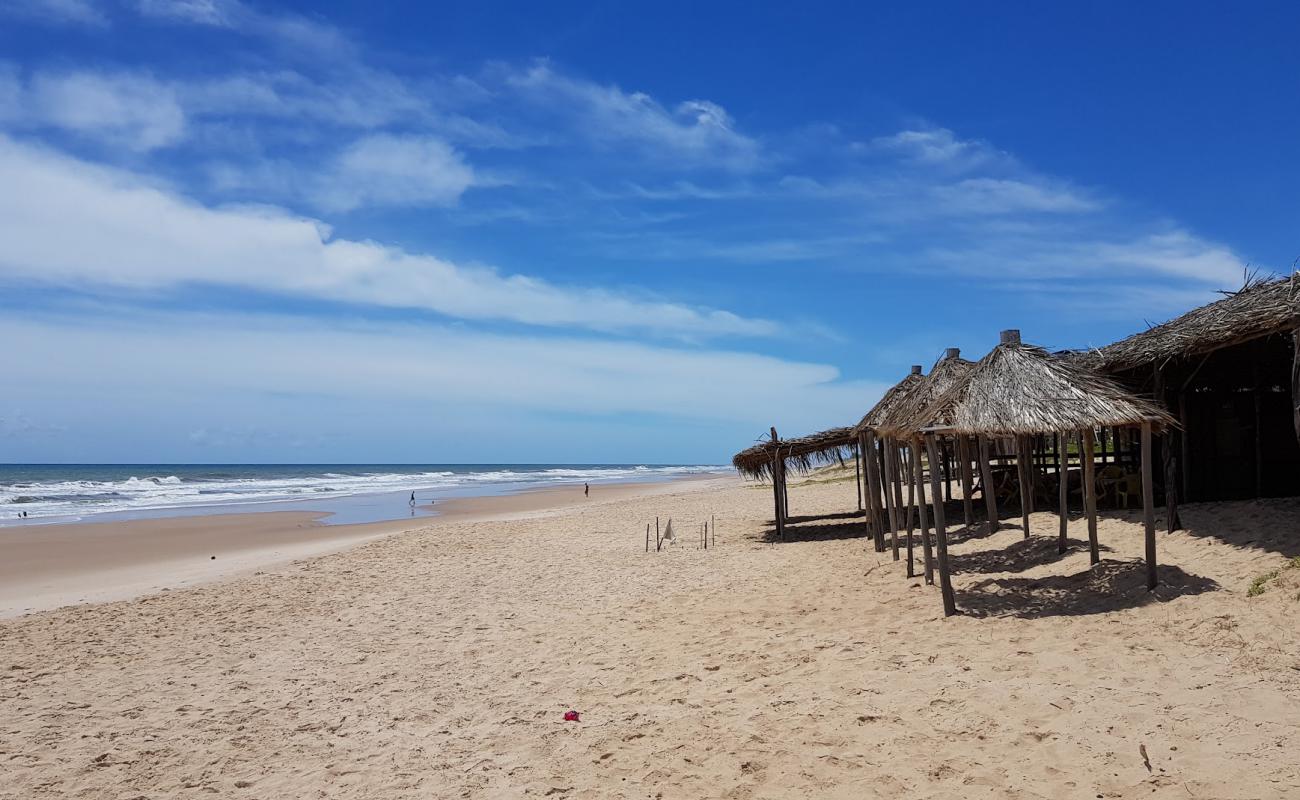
[48, 566]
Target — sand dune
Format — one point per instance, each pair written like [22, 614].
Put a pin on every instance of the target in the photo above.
[439, 663]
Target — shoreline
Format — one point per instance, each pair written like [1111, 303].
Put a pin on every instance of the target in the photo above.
[44, 567]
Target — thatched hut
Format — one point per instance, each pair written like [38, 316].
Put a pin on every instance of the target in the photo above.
[904, 457]
[1020, 391]
[880, 465]
[1230, 372]
[770, 459]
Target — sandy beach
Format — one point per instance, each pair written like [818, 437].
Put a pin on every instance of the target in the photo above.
[439, 662]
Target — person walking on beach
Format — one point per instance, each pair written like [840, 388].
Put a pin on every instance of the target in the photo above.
[586, 490]
[412, 499]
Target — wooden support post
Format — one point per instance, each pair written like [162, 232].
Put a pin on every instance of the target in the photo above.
[896, 475]
[1063, 473]
[967, 484]
[905, 467]
[1090, 496]
[891, 466]
[857, 473]
[947, 472]
[1295, 380]
[873, 484]
[941, 533]
[1172, 522]
[1024, 453]
[1259, 433]
[1148, 505]
[986, 475]
[918, 478]
[909, 455]
[647, 537]
[776, 487]
[887, 490]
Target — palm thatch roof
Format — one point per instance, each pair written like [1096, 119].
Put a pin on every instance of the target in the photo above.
[803, 453]
[1019, 389]
[896, 396]
[1261, 308]
[945, 373]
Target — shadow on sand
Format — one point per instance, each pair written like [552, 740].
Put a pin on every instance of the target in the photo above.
[817, 528]
[1018, 557]
[1108, 586]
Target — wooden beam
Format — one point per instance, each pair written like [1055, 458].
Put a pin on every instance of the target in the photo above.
[897, 476]
[918, 477]
[947, 472]
[1148, 505]
[967, 484]
[1090, 496]
[1024, 452]
[1063, 475]
[887, 492]
[872, 498]
[941, 533]
[986, 475]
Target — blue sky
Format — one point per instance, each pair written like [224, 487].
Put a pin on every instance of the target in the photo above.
[237, 231]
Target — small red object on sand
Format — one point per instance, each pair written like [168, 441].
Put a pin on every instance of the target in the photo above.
[571, 716]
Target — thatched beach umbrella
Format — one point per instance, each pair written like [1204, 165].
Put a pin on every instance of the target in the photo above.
[1019, 391]
[771, 458]
[881, 467]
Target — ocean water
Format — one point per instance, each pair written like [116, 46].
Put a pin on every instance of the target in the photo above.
[52, 493]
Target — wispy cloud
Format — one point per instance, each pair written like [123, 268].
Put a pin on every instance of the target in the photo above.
[131, 110]
[374, 171]
[694, 132]
[57, 12]
[128, 233]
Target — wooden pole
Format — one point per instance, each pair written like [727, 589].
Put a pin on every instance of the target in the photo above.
[920, 512]
[888, 515]
[647, 537]
[857, 473]
[905, 468]
[1295, 380]
[1259, 434]
[776, 486]
[868, 439]
[1172, 523]
[941, 533]
[986, 475]
[896, 476]
[1063, 473]
[887, 483]
[1023, 454]
[1090, 496]
[967, 483]
[891, 466]
[909, 456]
[880, 518]
[947, 472]
[1148, 505]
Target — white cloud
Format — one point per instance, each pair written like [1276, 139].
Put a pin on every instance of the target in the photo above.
[395, 170]
[69, 223]
[244, 356]
[59, 12]
[126, 109]
[294, 34]
[215, 13]
[696, 132]
[379, 170]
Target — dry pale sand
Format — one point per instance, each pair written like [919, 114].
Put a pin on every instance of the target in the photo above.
[439, 663]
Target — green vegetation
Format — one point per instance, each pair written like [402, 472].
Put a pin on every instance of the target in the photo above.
[1260, 583]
